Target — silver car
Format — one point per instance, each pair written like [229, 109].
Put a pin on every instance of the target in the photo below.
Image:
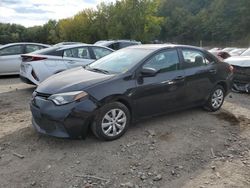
[39, 65]
[241, 65]
[10, 59]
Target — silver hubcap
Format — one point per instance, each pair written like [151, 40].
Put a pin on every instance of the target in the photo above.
[114, 122]
[217, 98]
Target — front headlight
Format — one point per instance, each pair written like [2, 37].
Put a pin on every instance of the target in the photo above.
[65, 98]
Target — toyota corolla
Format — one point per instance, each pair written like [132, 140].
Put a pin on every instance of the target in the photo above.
[127, 85]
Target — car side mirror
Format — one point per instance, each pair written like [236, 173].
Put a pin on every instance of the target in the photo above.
[148, 72]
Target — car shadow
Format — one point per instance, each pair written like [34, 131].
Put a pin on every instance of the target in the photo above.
[180, 138]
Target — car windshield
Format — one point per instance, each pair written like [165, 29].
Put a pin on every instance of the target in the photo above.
[246, 53]
[120, 61]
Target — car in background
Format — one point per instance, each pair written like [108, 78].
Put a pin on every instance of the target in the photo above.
[127, 85]
[117, 44]
[67, 43]
[10, 59]
[241, 64]
[221, 54]
[228, 49]
[237, 51]
[215, 49]
[38, 66]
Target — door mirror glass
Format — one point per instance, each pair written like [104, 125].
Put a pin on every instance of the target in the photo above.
[148, 72]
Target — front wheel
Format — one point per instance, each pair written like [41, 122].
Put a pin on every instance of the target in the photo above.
[111, 122]
[216, 99]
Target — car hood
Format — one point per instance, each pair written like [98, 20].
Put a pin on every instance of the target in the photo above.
[242, 61]
[77, 79]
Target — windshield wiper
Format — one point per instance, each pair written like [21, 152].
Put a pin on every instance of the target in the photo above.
[97, 70]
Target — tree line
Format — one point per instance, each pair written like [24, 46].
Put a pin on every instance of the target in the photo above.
[222, 22]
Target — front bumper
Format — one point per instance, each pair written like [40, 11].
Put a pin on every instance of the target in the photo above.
[66, 121]
[241, 81]
[241, 86]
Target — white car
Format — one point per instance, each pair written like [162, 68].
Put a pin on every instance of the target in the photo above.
[10, 59]
[38, 66]
[237, 51]
[241, 66]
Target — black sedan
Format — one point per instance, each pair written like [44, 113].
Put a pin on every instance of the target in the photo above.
[132, 83]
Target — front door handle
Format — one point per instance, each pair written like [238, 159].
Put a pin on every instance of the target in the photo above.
[179, 78]
[171, 82]
[212, 71]
[71, 62]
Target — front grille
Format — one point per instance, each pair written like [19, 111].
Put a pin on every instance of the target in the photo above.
[242, 70]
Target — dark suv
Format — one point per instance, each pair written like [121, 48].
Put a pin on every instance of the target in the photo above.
[117, 44]
[129, 84]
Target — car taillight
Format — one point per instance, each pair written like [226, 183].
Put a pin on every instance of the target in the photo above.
[34, 58]
[28, 58]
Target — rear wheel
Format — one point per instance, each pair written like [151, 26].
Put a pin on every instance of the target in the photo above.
[111, 121]
[216, 99]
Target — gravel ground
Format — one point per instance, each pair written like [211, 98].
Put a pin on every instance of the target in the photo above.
[191, 148]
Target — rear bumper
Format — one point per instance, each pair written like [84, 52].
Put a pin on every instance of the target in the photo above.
[67, 121]
[26, 75]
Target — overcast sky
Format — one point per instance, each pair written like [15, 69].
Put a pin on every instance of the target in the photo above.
[37, 12]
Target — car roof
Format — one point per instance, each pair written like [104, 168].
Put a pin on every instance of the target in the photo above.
[16, 43]
[107, 42]
[65, 47]
[162, 46]
[80, 45]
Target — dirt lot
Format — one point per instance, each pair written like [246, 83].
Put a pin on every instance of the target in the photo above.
[192, 148]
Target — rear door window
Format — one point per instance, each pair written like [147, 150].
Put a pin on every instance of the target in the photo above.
[31, 48]
[81, 52]
[12, 50]
[194, 58]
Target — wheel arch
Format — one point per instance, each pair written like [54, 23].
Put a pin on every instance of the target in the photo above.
[224, 85]
[118, 98]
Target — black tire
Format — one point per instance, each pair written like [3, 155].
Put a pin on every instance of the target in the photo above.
[210, 106]
[100, 119]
